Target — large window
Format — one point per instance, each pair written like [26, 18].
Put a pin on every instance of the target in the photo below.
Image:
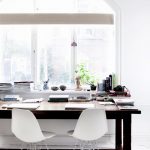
[53, 50]
[54, 53]
[54, 6]
[96, 49]
[15, 53]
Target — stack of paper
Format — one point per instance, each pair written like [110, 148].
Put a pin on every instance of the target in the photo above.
[22, 86]
[79, 106]
[79, 99]
[5, 86]
[124, 101]
[21, 105]
[12, 98]
[127, 108]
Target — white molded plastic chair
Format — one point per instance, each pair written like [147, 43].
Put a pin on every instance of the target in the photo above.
[90, 127]
[26, 127]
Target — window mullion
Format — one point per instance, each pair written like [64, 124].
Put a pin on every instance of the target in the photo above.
[34, 54]
[73, 54]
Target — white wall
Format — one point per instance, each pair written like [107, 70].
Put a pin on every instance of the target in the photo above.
[135, 47]
[135, 58]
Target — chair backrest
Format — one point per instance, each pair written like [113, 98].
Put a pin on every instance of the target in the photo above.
[91, 125]
[25, 126]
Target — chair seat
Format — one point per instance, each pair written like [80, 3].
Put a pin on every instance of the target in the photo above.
[48, 134]
[26, 127]
[91, 125]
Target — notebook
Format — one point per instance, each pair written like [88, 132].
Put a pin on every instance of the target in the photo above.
[58, 98]
[78, 106]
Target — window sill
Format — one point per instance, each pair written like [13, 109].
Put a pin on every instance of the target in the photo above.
[25, 94]
[60, 92]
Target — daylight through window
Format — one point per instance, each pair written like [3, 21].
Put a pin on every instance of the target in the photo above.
[46, 51]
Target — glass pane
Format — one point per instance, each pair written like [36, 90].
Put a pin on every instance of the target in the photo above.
[15, 53]
[54, 6]
[72, 6]
[93, 6]
[96, 49]
[16, 6]
[54, 54]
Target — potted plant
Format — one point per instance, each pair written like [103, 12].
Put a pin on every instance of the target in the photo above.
[85, 76]
[92, 82]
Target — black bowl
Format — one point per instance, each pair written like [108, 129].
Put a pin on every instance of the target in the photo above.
[62, 87]
[54, 88]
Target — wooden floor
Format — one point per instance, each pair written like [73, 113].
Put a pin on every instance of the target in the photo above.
[138, 143]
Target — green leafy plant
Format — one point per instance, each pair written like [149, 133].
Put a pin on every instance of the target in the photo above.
[85, 75]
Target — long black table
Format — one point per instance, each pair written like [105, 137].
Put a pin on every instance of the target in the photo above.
[123, 119]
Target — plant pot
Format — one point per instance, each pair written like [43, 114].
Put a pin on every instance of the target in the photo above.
[93, 87]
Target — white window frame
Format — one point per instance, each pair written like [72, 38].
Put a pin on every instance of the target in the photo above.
[117, 22]
[53, 18]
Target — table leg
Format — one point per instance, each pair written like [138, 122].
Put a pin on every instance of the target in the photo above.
[127, 132]
[118, 135]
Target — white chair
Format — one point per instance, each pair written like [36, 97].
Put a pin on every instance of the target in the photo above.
[90, 127]
[26, 128]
